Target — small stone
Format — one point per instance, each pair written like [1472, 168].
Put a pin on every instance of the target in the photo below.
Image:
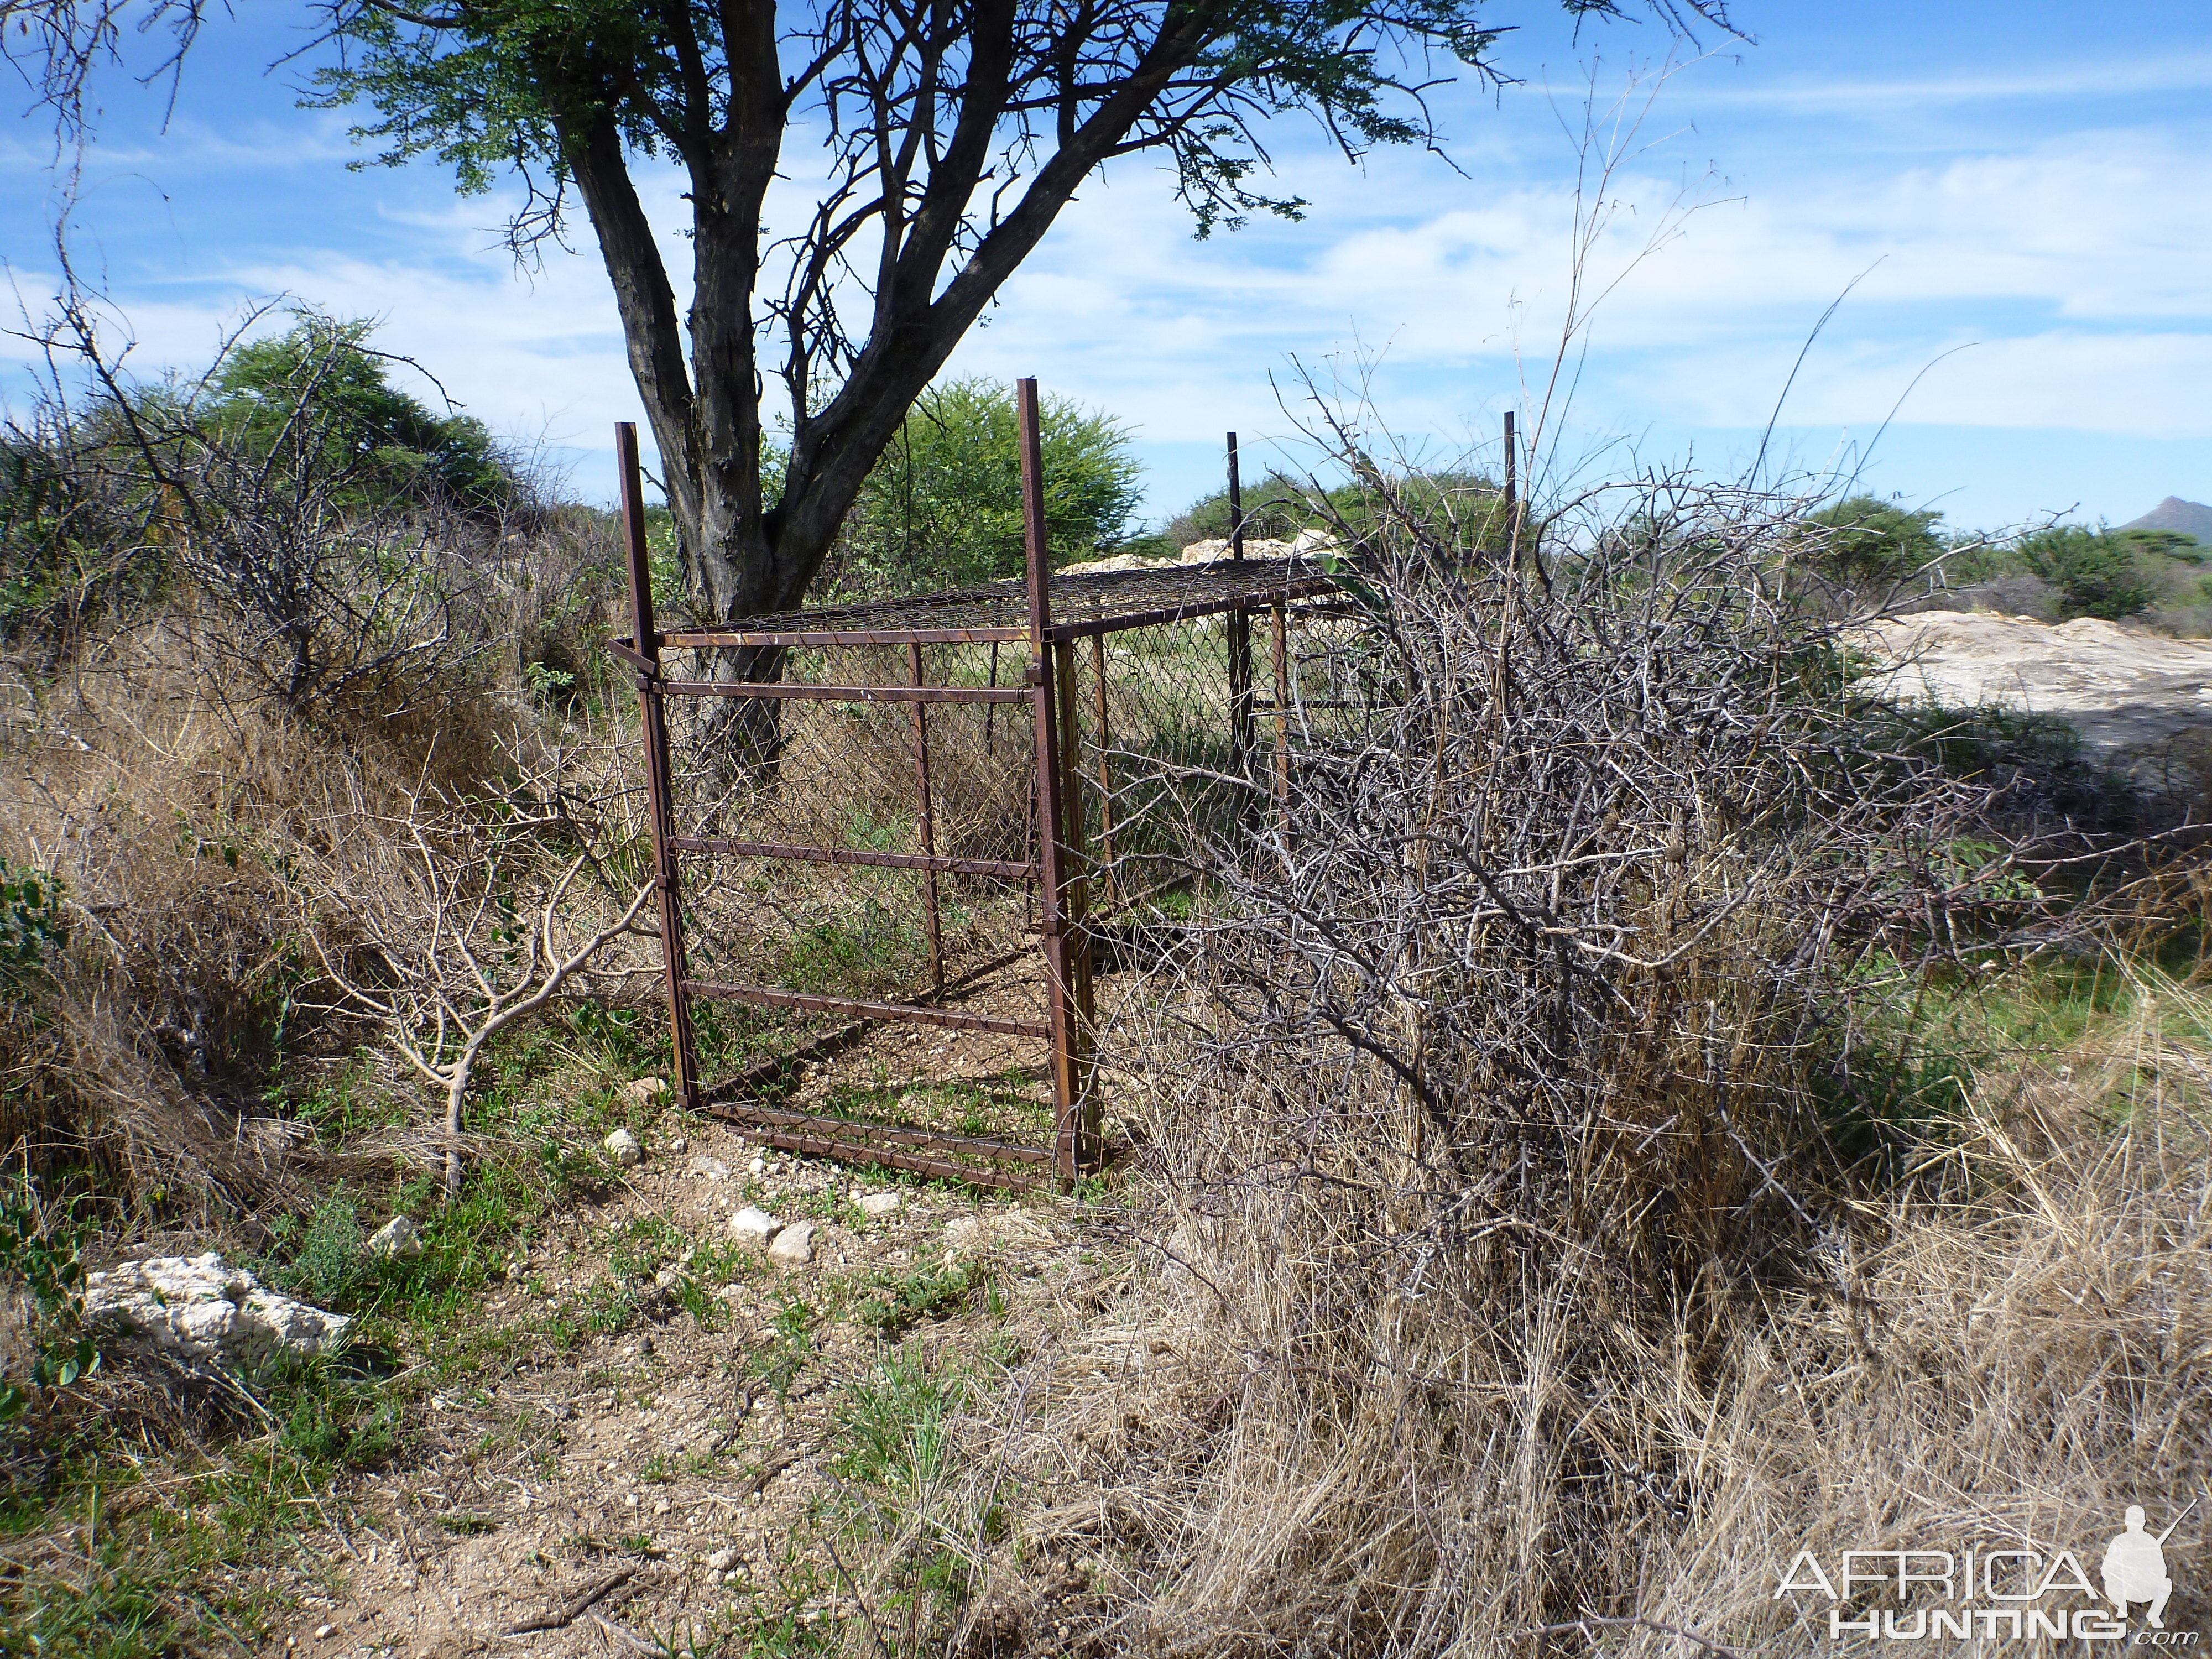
[621, 1147]
[758, 1167]
[678, 1146]
[397, 1239]
[323, 1632]
[755, 1223]
[663, 1507]
[629, 1500]
[711, 1168]
[876, 1206]
[724, 1558]
[793, 1245]
[646, 1090]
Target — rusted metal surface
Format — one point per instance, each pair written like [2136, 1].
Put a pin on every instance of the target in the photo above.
[932, 919]
[1001, 611]
[770, 996]
[847, 693]
[858, 665]
[857, 856]
[658, 791]
[707, 639]
[1252, 597]
[1052, 919]
[1240, 630]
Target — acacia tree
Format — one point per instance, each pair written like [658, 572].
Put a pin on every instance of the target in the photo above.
[951, 133]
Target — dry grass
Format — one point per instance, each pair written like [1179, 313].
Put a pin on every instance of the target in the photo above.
[1556, 1215]
[178, 815]
[2010, 1354]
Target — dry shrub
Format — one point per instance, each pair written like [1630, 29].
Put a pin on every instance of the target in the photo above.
[179, 811]
[1520, 1116]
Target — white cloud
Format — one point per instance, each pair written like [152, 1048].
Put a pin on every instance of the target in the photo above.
[2074, 265]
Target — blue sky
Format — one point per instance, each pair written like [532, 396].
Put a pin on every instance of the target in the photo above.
[2018, 190]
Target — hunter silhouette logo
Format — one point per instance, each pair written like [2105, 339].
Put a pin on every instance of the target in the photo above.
[1998, 1593]
[2135, 1567]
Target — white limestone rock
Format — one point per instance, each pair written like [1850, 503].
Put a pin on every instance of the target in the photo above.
[876, 1206]
[645, 1090]
[203, 1315]
[621, 1147]
[755, 1224]
[398, 1238]
[793, 1245]
[709, 1168]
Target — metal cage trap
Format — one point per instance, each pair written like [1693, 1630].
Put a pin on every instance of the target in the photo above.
[927, 811]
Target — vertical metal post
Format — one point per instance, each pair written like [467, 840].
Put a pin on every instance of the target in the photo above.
[1052, 920]
[1105, 763]
[1240, 631]
[1283, 718]
[659, 785]
[930, 918]
[1512, 494]
[1075, 883]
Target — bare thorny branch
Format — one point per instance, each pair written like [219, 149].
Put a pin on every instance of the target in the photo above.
[456, 919]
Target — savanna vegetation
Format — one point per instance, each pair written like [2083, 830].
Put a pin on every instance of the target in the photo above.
[1637, 1099]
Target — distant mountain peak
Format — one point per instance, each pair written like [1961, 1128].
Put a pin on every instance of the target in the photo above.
[2190, 517]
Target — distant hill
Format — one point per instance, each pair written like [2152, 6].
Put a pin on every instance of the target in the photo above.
[2190, 517]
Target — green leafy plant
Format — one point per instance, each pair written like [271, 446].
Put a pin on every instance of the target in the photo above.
[42, 1249]
[32, 932]
[892, 1302]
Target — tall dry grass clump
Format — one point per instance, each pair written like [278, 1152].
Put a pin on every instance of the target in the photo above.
[246, 633]
[1518, 1119]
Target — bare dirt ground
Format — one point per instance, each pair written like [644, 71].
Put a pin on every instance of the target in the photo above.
[655, 1486]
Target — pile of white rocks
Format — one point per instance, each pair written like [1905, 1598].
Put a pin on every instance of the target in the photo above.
[203, 1315]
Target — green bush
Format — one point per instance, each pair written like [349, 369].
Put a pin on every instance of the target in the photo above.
[943, 507]
[2097, 570]
[326, 1259]
[1865, 539]
[1460, 511]
[323, 377]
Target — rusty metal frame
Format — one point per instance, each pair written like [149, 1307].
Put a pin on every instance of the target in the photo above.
[1059, 875]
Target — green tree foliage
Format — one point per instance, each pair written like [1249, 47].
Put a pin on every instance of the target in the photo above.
[940, 144]
[2164, 543]
[942, 508]
[2096, 570]
[322, 379]
[1863, 540]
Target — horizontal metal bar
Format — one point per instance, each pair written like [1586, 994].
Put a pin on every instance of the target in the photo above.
[847, 693]
[767, 996]
[636, 659]
[710, 640]
[1259, 600]
[776, 849]
[865, 1130]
